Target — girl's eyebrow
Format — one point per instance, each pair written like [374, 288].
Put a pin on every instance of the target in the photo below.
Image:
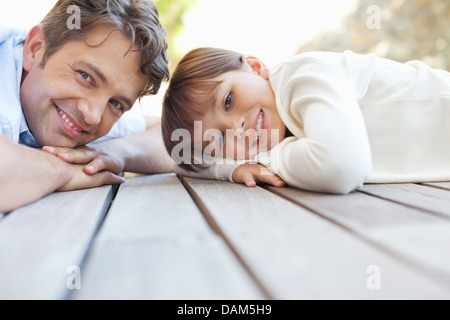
[214, 100]
[216, 95]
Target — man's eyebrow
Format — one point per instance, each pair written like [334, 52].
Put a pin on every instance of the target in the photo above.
[127, 101]
[96, 70]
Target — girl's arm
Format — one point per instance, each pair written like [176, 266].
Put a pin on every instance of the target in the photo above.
[249, 174]
[334, 154]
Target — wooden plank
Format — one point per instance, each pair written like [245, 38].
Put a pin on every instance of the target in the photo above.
[433, 200]
[42, 244]
[442, 185]
[411, 235]
[155, 244]
[297, 254]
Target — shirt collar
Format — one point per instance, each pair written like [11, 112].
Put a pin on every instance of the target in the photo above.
[25, 136]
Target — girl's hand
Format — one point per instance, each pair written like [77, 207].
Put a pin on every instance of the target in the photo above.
[95, 160]
[255, 173]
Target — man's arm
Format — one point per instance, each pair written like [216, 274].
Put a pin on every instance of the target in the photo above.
[28, 174]
[141, 153]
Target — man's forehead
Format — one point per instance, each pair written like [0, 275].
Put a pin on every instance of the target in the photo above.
[103, 33]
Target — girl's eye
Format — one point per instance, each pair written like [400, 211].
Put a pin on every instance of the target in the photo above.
[228, 101]
[116, 104]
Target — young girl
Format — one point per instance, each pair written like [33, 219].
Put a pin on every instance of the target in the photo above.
[321, 121]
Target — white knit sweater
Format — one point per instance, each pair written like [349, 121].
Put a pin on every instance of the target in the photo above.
[356, 119]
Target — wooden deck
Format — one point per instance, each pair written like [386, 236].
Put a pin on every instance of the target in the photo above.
[165, 237]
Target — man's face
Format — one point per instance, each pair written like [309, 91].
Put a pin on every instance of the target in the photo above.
[82, 90]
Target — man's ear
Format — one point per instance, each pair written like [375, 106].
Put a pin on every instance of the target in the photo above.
[257, 65]
[33, 49]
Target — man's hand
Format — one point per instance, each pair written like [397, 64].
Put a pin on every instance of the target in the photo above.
[89, 167]
[139, 153]
[81, 180]
[254, 173]
[95, 159]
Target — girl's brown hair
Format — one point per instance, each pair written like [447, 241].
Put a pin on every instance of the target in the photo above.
[191, 91]
[136, 19]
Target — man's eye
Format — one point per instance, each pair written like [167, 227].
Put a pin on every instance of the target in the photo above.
[116, 104]
[228, 101]
[85, 76]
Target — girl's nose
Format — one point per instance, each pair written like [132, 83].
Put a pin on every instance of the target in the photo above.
[239, 123]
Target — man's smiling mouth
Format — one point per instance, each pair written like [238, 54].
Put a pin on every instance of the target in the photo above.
[66, 119]
[69, 124]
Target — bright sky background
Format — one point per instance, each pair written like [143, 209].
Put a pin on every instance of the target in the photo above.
[271, 30]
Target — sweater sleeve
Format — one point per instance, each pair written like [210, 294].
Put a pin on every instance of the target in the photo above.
[221, 169]
[333, 155]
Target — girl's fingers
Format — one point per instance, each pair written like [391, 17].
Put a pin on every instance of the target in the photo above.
[249, 181]
[266, 176]
[251, 174]
[276, 181]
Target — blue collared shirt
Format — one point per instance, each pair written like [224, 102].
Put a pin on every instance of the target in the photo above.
[12, 120]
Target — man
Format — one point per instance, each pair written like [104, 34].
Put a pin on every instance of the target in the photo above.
[64, 87]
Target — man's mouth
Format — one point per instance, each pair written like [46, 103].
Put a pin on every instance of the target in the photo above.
[69, 124]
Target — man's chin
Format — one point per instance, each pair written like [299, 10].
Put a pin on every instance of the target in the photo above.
[62, 143]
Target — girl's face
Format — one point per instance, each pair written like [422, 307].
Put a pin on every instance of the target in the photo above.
[243, 120]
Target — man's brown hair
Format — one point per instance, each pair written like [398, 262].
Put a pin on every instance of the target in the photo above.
[136, 19]
[191, 91]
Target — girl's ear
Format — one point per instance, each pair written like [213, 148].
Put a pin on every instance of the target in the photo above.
[257, 65]
[33, 49]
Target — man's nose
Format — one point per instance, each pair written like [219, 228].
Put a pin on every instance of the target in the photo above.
[92, 110]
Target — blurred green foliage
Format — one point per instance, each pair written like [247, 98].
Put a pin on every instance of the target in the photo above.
[407, 30]
[171, 14]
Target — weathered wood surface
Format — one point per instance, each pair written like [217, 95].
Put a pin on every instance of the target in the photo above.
[42, 244]
[414, 236]
[156, 236]
[165, 237]
[298, 254]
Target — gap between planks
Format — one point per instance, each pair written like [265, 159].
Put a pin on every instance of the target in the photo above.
[414, 204]
[215, 227]
[115, 188]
